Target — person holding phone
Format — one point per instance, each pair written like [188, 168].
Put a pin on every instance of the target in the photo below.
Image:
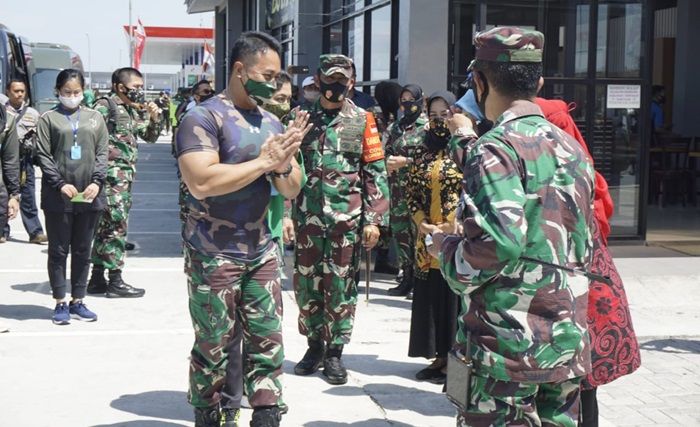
[72, 153]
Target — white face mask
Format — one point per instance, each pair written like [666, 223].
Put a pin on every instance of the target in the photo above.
[312, 95]
[71, 102]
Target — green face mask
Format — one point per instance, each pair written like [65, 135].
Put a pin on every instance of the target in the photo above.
[279, 110]
[261, 92]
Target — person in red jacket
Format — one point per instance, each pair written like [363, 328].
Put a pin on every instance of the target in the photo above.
[614, 346]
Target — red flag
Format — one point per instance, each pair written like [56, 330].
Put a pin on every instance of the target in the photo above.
[208, 60]
[140, 41]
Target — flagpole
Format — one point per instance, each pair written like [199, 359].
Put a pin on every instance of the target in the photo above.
[131, 39]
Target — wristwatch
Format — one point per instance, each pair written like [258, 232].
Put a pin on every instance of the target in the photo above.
[284, 174]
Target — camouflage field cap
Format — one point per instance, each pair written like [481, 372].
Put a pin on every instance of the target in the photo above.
[509, 44]
[332, 63]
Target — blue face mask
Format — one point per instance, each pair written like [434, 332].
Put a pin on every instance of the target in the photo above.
[468, 104]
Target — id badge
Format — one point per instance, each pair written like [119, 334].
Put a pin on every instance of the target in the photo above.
[76, 152]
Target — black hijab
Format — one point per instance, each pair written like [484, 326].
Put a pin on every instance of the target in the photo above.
[411, 114]
[438, 135]
[387, 94]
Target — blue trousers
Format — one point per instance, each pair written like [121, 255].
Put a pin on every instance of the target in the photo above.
[27, 206]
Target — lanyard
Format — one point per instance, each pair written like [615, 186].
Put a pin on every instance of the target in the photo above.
[74, 126]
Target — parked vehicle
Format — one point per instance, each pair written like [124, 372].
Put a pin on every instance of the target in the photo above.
[48, 59]
[15, 54]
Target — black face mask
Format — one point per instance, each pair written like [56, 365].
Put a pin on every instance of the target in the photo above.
[135, 95]
[438, 135]
[333, 92]
[411, 111]
[481, 101]
[203, 98]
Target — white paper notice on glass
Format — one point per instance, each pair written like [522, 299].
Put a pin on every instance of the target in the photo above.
[624, 96]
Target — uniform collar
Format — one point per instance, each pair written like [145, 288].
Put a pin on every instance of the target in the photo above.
[16, 110]
[518, 109]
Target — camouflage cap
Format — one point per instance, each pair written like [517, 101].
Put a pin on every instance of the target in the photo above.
[509, 44]
[332, 63]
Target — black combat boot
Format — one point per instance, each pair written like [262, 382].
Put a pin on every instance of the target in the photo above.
[117, 288]
[382, 265]
[97, 283]
[405, 287]
[207, 417]
[312, 360]
[333, 368]
[266, 416]
[230, 417]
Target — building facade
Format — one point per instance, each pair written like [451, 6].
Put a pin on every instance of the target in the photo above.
[602, 56]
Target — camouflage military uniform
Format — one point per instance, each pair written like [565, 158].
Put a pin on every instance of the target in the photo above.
[231, 260]
[528, 191]
[110, 237]
[398, 142]
[346, 190]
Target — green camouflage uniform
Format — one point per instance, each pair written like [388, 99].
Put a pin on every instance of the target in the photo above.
[108, 249]
[231, 260]
[402, 142]
[527, 191]
[346, 190]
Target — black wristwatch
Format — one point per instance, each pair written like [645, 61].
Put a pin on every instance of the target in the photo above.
[284, 174]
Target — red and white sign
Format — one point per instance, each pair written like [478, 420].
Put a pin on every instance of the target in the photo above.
[208, 60]
[140, 42]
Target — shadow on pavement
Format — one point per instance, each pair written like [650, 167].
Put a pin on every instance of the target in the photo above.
[40, 288]
[369, 364]
[397, 302]
[375, 422]
[166, 404]
[141, 423]
[672, 346]
[25, 312]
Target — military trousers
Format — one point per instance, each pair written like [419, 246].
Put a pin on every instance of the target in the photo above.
[324, 283]
[222, 292]
[109, 247]
[505, 403]
[404, 232]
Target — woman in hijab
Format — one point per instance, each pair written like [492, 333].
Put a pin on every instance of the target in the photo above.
[434, 187]
[400, 142]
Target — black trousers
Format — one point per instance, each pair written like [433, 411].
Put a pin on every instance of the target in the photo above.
[589, 408]
[70, 232]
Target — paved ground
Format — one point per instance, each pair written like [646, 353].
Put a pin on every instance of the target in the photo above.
[130, 368]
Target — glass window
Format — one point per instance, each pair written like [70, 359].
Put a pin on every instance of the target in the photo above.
[356, 44]
[566, 47]
[381, 43]
[575, 96]
[616, 149]
[336, 38]
[463, 49]
[336, 9]
[619, 39]
[353, 5]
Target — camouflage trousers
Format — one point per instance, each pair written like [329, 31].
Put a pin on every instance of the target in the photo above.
[109, 247]
[219, 290]
[325, 285]
[404, 232]
[504, 403]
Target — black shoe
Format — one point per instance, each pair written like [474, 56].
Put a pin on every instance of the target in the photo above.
[117, 288]
[97, 283]
[129, 246]
[312, 360]
[333, 368]
[434, 375]
[230, 417]
[266, 417]
[409, 295]
[403, 289]
[207, 417]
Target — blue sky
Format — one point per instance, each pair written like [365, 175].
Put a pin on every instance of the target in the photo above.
[67, 22]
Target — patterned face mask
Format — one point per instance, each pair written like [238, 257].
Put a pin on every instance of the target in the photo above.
[260, 92]
[136, 95]
[334, 92]
[279, 110]
[438, 127]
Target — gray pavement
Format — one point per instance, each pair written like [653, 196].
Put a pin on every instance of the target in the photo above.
[130, 368]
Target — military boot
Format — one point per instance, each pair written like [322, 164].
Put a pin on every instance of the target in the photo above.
[97, 283]
[382, 265]
[312, 360]
[333, 368]
[117, 288]
[207, 417]
[266, 416]
[230, 417]
[405, 287]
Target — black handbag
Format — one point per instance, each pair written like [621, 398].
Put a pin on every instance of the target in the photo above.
[459, 377]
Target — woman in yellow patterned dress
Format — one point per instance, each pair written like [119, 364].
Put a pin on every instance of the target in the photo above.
[434, 186]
